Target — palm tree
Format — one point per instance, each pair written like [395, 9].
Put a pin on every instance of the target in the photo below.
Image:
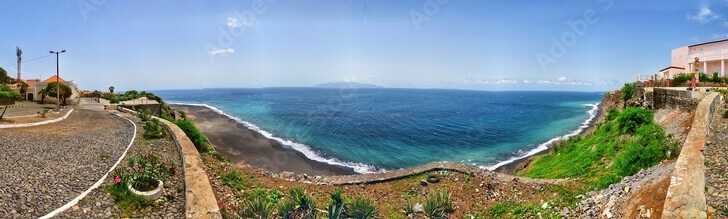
[111, 89]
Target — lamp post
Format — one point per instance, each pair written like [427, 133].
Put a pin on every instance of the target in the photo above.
[58, 79]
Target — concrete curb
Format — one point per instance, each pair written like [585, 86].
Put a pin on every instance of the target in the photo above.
[24, 125]
[200, 201]
[686, 193]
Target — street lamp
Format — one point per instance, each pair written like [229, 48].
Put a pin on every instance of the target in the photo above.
[58, 79]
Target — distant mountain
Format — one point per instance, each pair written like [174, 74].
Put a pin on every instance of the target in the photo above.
[346, 85]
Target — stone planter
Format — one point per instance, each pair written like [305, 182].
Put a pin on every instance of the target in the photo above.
[152, 195]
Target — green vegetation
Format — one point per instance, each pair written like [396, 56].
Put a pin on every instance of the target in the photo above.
[153, 129]
[298, 205]
[627, 92]
[725, 114]
[125, 200]
[234, 179]
[51, 91]
[260, 204]
[145, 170]
[361, 208]
[681, 78]
[7, 93]
[520, 210]
[336, 205]
[142, 172]
[4, 78]
[438, 205]
[200, 140]
[625, 143]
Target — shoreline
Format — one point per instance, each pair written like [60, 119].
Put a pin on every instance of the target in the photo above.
[242, 144]
[517, 162]
[320, 165]
[588, 126]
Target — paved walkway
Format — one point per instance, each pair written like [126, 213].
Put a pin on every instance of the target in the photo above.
[44, 167]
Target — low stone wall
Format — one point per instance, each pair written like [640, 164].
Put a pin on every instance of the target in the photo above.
[430, 167]
[200, 201]
[686, 193]
[676, 98]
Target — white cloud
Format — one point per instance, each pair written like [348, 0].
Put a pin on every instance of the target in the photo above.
[224, 51]
[233, 22]
[704, 15]
[562, 78]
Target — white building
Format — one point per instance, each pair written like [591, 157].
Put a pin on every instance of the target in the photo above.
[711, 55]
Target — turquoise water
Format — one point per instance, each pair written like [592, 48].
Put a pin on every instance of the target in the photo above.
[374, 129]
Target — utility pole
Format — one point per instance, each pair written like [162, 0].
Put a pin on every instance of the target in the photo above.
[19, 53]
[58, 79]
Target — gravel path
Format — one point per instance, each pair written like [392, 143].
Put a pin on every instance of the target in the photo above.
[716, 163]
[100, 204]
[44, 167]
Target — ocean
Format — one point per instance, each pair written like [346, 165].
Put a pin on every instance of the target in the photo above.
[378, 129]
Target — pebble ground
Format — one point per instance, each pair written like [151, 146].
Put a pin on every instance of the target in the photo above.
[100, 204]
[716, 164]
[44, 167]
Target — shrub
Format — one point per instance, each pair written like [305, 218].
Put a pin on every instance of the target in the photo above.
[7, 93]
[681, 78]
[144, 115]
[153, 129]
[361, 208]
[649, 148]
[258, 205]
[627, 92]
[438, 205]
[298, 205]
[725, 114]
[632, 118]
[716, 78]
[234, 180]
[144, 170]
[336, 205]
[200, 140]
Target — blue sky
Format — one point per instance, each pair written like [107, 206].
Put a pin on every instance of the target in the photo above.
[489, 44]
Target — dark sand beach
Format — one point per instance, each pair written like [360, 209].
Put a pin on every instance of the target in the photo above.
[240, 144]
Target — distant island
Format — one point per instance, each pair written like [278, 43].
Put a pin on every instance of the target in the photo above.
[346, 85]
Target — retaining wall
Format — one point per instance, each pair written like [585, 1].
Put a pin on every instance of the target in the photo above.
[686, 193]
[200, 201]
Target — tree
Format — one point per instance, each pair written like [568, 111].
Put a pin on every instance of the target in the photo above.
[627, 92]
[65, 91]
[111, 89]
[4, 78]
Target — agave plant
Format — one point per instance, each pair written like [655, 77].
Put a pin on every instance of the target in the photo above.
[361, 208]
[336, 207]
[257, 205]
[438, 205]
[299, 205]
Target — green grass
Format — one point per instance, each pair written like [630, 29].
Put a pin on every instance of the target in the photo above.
[235, 180]
[627, 142]
[520, 210]
[200, 140]
[125, 200]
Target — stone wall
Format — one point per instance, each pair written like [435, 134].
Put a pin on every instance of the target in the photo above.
[673, 98]
[686, 193]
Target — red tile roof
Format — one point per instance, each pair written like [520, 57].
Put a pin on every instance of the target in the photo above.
[53, 79]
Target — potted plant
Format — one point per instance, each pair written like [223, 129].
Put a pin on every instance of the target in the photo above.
[146, 175]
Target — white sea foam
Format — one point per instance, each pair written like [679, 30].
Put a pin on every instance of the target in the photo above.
[304, 149]
[544, 146]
